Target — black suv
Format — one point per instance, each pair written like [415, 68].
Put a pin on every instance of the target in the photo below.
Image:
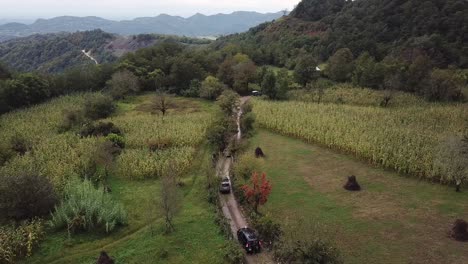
[249, 240]
[225, 186]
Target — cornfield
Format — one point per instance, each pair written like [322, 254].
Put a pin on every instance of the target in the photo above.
[60, 156]
[352, 95]
[403, 139]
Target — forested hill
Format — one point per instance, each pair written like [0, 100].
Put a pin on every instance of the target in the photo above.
[406, 28]
[57, 52]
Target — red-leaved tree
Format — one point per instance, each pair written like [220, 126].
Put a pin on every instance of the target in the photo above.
[258, 193]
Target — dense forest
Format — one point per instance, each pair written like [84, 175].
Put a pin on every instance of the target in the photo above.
[404, 29]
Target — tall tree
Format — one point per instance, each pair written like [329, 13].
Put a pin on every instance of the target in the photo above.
[269, 84]
[170, 199]
[257, 194]
[306, 69]
[340, 65]
[211, 88]
[122, 83]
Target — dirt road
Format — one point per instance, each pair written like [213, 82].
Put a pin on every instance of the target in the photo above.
[231, 209]
[88, 54]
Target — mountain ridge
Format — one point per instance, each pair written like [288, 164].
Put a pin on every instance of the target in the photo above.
[193, 26]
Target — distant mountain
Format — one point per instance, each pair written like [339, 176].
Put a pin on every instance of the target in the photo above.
[55, 52]
[196, 25]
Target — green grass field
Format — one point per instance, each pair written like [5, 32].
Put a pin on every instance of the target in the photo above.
[394, 219]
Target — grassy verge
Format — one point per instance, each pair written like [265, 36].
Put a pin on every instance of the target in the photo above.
[392, 220]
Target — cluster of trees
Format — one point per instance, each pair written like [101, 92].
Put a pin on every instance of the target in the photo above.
[26, 89]
[415, 76]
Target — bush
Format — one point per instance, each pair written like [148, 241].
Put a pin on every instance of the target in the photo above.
[99, 106]
[117, 140]
[20, 144]
[160, 144]
[312, 251]
[247, 123]
[100, 129]
[26, 196]
[18, 242]
[71, 119]
[233, 253]
[246, 166]
[269, 230]
[86, 208]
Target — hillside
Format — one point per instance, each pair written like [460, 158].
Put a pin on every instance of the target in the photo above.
[405, 28]
[56, 52]
[196, 25]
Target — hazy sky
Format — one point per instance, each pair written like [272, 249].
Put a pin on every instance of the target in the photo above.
[120, 9]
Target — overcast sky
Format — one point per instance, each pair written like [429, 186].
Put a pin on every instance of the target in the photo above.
[123, 9]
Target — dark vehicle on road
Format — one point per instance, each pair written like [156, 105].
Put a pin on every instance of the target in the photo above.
[225, 186]
[249, 240]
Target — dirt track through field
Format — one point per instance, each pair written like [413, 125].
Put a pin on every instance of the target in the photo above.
[231, 209]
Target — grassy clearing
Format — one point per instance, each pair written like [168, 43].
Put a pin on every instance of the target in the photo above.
[403, 139]
[393, 220]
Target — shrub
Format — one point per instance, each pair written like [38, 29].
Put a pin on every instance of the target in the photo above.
[86, 208]
[71, 119]
[117, 140]
[104, 258]
[18, 242]
[100, 129]
[99, 106]
[160, 144]
[306, 251]
[246, 166]
[269, 230]
[26, 196]
[20, 144]
[247, 123]
[233, 253]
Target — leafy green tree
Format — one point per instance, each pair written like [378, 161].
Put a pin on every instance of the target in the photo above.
[368, 72]
[283, 80]
[244, 73]
[123, 83]
[25, 90]
[194, 89]
[99, 106]
[228, 101]
[306, 69]
[211, 88]
[340, 65]
[443, 86]
[158, 77]
[269, 84]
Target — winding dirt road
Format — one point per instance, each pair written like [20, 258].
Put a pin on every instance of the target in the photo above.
[231, 209]
[88, 54]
